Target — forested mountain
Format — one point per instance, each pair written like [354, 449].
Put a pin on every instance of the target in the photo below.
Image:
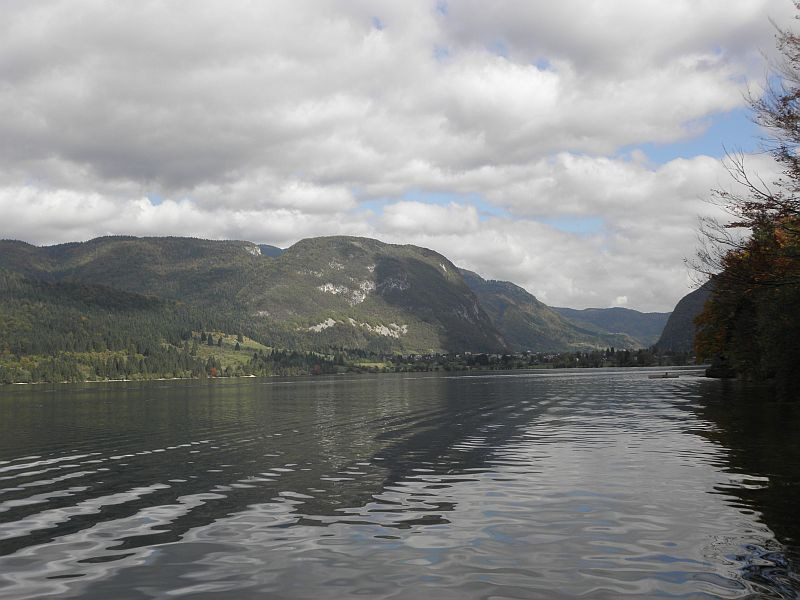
[68, 331]
[150, 305]
[643, 328]
[334, 292]
[678, 334]
[272, 251]
[527, 324]
[202, 272]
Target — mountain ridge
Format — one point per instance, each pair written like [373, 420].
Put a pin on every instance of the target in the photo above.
[380, 297]
[529, 324]
[325, 292]
[679, 330]
[643, 327]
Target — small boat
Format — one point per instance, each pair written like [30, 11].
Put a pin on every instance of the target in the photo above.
[664, 376]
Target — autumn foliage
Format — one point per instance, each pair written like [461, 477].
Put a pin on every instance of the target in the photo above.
[751, 321]
[752, 318]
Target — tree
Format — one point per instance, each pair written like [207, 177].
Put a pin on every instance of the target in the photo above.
[751, 321]
[768, 211]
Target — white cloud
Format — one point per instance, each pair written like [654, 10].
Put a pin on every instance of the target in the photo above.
[412, 218]
[271, 122]
[55, 216]
[636, 250]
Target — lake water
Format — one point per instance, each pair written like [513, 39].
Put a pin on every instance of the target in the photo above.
[556, 484]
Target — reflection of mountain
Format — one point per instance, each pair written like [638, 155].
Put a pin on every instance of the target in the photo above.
[761, 439]
[454, 438]
[383, 475]
[328, 443]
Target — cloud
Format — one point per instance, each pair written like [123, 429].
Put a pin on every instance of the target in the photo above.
[413, 218]
[644, 232]
[177, 99]
[273, 122]
[56, 215]
[643, 228]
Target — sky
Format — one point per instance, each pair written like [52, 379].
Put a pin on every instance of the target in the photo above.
[569, 146]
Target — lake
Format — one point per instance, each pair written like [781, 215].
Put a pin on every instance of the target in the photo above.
[546, 484]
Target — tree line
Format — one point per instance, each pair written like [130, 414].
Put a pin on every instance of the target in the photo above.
[750, 325]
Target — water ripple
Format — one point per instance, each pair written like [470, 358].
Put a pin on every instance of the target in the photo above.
[597, 484]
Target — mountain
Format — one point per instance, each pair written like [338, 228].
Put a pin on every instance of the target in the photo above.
[271, 251]
[361, 290]
[527, 324]
[321, 294]
[331, 292]
[678, 333]
[66, 331]
[643, 328]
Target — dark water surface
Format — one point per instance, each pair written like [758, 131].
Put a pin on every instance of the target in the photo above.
[597, 483]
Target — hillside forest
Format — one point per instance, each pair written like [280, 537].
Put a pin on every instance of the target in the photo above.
[750, 325]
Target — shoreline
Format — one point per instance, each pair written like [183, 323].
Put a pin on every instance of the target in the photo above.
[655, 368]
[137, 380]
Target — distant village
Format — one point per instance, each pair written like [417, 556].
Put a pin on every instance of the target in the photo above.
[597, 358]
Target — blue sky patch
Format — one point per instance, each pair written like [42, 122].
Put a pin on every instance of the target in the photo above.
[732, 131]
[498, 48]
[441, 53]
[485, 209]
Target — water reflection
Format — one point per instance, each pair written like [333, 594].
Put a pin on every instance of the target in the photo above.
[759, 431]
[517, 485]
